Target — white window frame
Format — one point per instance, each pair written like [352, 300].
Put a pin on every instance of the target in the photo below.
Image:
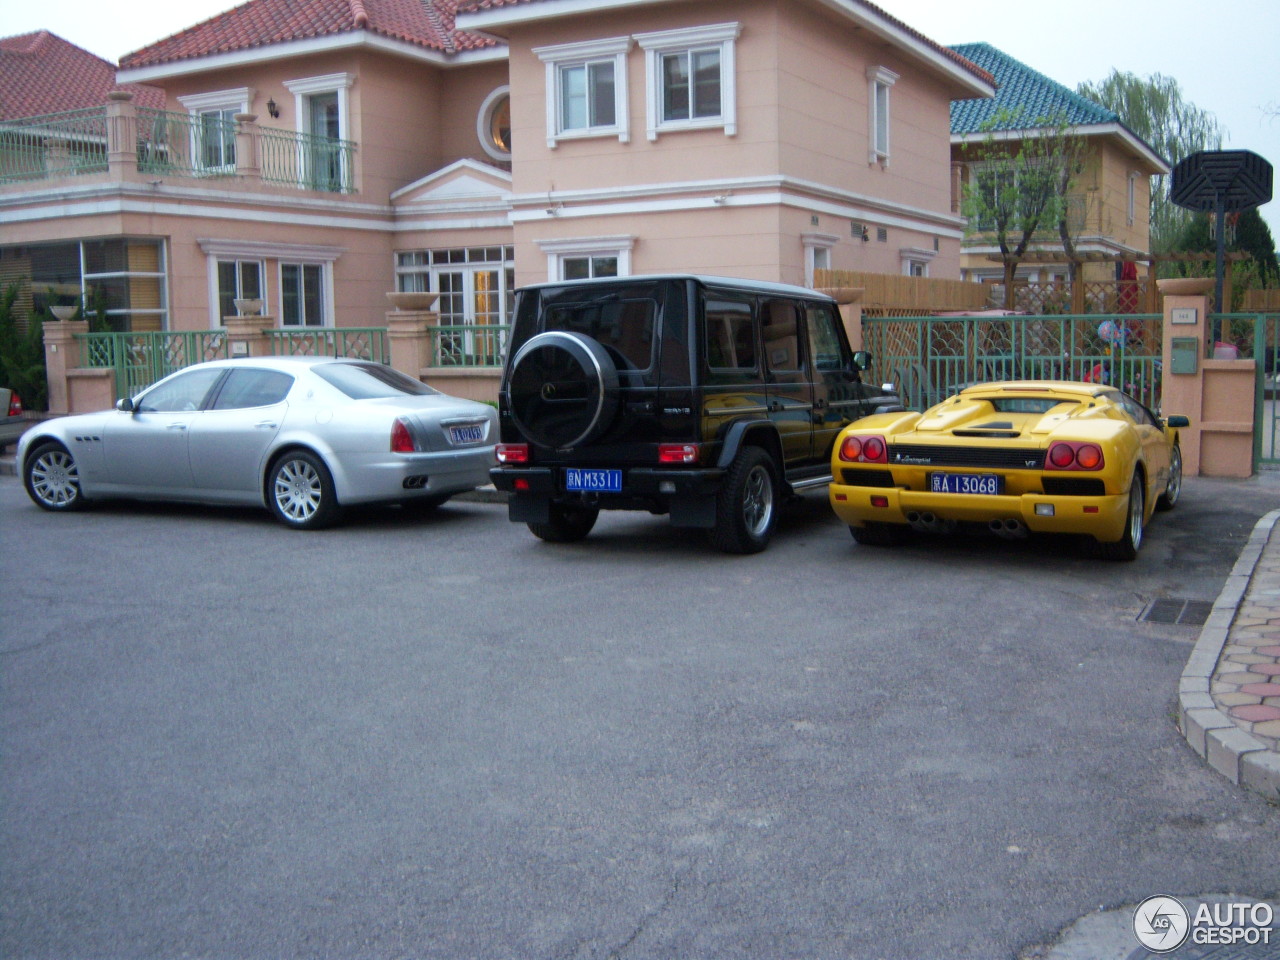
[1131, 201]
[913, 257]
[566, 55]
[238, 294]
[339, 83]
[880, 80]
[815, 243]
[326, 294]
[215, 250]
[722, 36]
[558, 251]
[218, 101]
[484, 123]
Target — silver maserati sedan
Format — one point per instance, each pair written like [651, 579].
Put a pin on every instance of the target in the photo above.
[302, 436]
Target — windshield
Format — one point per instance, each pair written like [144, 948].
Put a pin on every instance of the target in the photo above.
[371, 381]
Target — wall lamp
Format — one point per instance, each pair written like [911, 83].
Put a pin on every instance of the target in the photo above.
[273, 109]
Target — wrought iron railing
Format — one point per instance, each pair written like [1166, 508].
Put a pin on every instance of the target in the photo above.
[53, 145]
[929, 358]
[363, 343]
[469, 344]
[305, 161]
[140, 359]
[182, 144]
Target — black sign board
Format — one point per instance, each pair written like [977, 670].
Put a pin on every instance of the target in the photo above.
[1221, 182]
[1239, 178]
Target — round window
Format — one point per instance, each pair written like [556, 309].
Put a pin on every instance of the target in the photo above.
[494, 124]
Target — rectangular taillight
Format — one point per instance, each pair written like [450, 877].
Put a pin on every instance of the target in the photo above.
[15, 405]
[513, 453]
[677, 453]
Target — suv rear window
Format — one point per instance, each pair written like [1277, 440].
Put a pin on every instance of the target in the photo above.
[624, 327]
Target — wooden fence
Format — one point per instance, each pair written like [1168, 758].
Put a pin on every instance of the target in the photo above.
[889, 294]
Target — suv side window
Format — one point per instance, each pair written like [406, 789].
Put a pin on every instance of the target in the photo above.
[824, 344]
[731, 341]
[781, 331]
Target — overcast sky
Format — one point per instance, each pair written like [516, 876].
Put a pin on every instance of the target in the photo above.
[1223, 53]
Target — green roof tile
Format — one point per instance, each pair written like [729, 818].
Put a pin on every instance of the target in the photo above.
[1023, 92]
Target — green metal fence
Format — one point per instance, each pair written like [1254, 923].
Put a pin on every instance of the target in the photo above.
[140, 359]
[181, 144]
[929, 358]
[53, 145]
[469, 344]
[364, 343]
[1254, 336]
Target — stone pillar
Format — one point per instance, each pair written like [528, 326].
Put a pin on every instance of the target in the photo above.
[122, 135]
[248, 162]
[61, 356]
[247, 335]
[409, 340]
[1218, 396]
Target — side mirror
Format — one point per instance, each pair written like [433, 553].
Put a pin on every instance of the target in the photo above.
[1178, 422]
[861, 360]
[125, 405]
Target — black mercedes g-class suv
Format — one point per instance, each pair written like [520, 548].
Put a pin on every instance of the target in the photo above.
[704, 398]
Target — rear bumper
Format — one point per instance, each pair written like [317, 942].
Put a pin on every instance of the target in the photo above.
[406, 476]
[688, 495]
[1102, 517]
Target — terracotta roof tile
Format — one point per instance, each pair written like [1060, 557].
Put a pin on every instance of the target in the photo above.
[41, 73]
[260, 23]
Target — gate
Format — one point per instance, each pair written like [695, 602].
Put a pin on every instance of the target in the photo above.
[930, 358]
[1266, 425]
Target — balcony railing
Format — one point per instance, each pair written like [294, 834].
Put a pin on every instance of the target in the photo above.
[53, 145]
[364, 343]
[162, 143]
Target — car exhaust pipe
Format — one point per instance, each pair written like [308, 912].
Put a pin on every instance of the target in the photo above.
[416, 483]
[929, 523]
[1011, 529]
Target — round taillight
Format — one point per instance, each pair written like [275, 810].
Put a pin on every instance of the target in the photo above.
[873, 448]
[1089, 456]
[1062, 456]
[851, 449]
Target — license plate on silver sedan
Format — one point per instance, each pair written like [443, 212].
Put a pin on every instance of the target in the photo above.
[977, 483]
[471, 433]
[593, 481]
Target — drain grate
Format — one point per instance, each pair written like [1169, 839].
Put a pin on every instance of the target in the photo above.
[1191, 613]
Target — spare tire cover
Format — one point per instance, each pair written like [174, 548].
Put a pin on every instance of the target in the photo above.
[563, 389]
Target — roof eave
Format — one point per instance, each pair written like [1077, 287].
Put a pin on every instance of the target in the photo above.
[352, 40]
[1158, 165]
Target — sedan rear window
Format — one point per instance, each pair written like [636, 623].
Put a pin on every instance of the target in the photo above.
[371, 381]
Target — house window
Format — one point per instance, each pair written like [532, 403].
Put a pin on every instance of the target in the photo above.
[689, 78]
[1132, 200]
[476, 286]
[238, 280]
[916, 260]
[122, 281]
[817, 253]
[586, 89]
[214, 127]
[879, 81]
[493, 125]
[322, 108]
[302, 300]
[588, 257]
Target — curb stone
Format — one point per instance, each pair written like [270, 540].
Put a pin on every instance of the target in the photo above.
[1232, 751]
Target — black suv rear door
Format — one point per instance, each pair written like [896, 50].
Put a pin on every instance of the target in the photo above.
[788, 384]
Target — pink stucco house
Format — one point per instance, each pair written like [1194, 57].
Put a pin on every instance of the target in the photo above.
[318, 154]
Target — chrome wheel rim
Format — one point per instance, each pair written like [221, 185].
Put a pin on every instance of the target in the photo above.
[1175, 478]
[54, 478]
[1135, 513]
[757, 501]
[298, 491]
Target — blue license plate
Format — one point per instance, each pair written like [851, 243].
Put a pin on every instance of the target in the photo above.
[988, 484]
[593, 481]
[470, 434]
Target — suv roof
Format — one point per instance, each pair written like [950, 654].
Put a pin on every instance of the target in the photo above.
[754, 286]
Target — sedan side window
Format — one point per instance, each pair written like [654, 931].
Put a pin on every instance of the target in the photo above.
[252, 388]
[184, 392]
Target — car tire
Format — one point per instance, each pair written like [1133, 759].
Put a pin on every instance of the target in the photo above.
[747, 504]
[52, 478]
[300, 491]
[1126, 548]
[563, 389]
[1173, 489]
[878, 534]
[566, 524]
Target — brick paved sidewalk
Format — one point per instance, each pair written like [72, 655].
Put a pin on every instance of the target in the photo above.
[1230, 690]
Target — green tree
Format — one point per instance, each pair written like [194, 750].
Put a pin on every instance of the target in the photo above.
[1154, 109]
[1020, 178]
[1246, 233]
[22, 354]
